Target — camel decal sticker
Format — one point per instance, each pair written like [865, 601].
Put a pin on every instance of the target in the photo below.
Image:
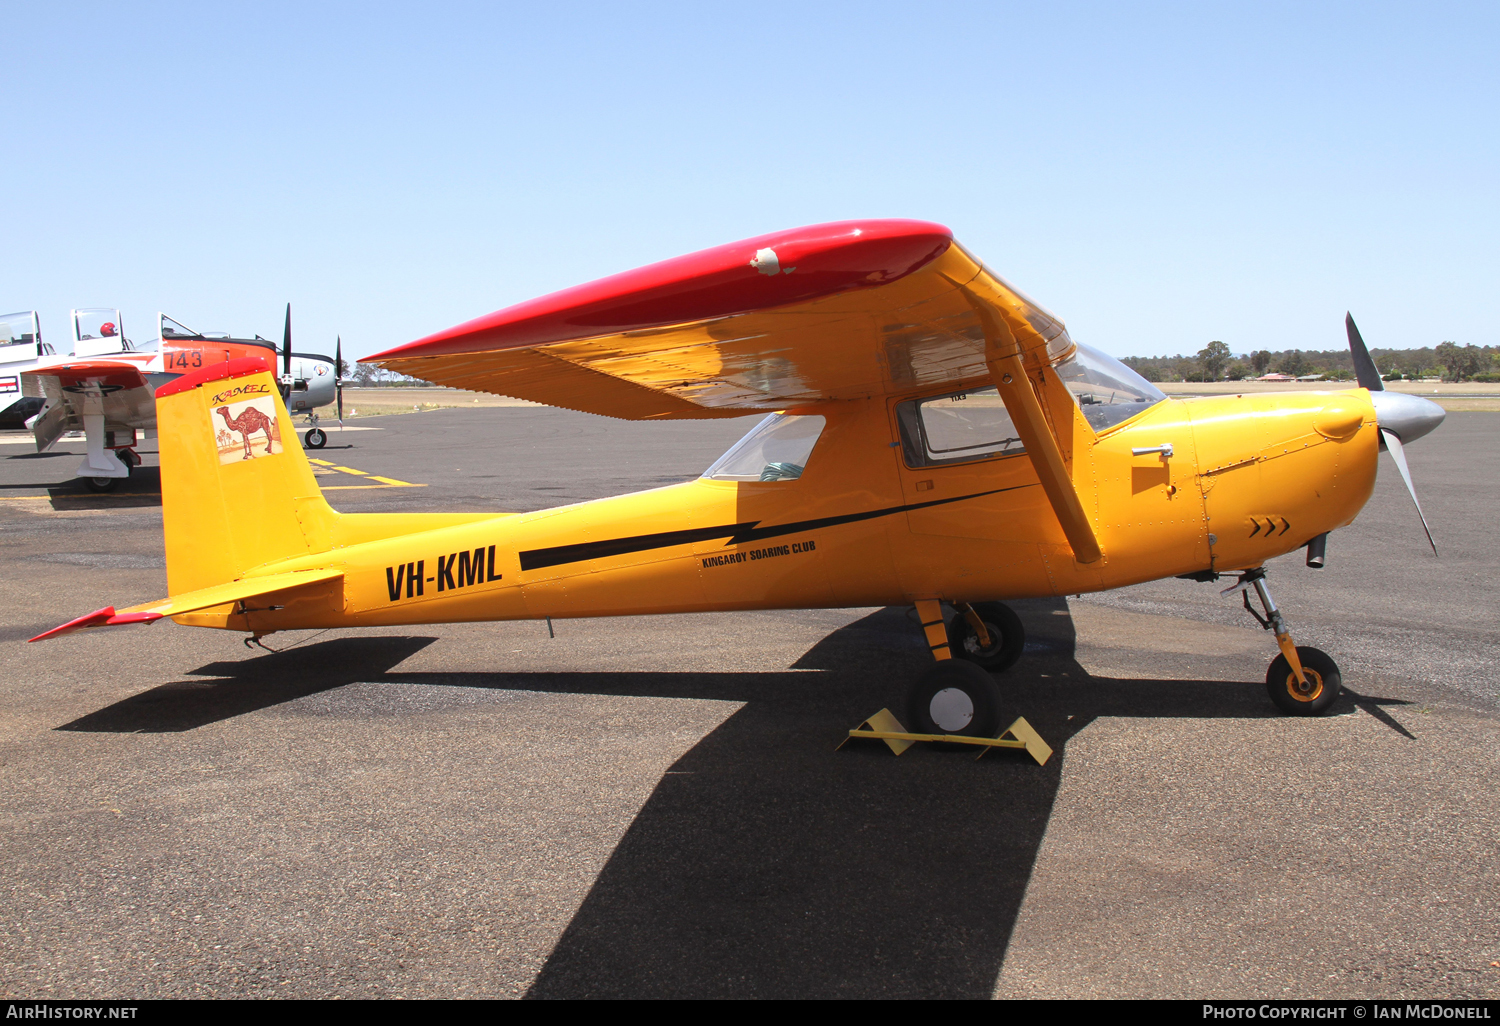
[247, 430]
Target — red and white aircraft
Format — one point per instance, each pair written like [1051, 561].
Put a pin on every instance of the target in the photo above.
[21, 349]
[107, 387]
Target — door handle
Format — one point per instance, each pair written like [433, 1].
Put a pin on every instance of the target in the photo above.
[1165, 450]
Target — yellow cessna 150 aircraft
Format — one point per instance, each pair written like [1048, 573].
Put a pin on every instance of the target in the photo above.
[934, 438]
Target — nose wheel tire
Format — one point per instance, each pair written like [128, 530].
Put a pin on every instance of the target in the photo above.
[1007, 637]
[316, 438]
[1323, 683]
[955, 697]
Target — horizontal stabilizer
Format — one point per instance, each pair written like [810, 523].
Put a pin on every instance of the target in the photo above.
[192, 601]
[106, 617]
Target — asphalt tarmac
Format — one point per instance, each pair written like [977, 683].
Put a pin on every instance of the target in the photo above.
[653, 806]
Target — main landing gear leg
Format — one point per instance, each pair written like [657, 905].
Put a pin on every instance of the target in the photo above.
[1302, 681]
[957, 703]
[955, 696]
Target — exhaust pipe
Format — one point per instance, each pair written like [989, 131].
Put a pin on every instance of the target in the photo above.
[1316, 549]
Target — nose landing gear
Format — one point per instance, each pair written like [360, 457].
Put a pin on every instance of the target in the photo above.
[1302, 681]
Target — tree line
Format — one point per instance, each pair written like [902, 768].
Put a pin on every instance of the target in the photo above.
[1216, 362]
[367, 375]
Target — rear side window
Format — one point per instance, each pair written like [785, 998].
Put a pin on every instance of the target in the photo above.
[956, 427]
[776, 449]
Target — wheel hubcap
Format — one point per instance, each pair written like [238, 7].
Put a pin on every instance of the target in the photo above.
[951, 709]
[972, 646]
[1314, 685]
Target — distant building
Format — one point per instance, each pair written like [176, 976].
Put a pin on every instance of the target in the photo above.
[1311, 377]
[1273, 376]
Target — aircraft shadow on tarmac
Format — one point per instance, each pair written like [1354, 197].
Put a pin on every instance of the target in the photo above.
[251, 684]
[765, 864]
[141, 488]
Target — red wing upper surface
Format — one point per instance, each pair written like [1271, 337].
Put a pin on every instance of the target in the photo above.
[835, 311]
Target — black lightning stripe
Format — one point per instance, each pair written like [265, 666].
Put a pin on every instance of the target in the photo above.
[738, 534]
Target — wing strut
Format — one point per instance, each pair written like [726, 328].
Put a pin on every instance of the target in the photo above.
[1003, 356]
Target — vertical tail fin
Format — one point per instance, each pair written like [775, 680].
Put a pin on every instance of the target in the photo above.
[237, 491]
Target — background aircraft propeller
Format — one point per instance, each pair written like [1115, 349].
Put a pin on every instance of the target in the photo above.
[286, 344]
[1392, 412]
[338, 377]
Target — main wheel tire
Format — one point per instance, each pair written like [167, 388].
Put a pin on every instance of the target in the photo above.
[109, 484]
[955, 697]
[316, 438]
[1322, 675]
[1007, 637]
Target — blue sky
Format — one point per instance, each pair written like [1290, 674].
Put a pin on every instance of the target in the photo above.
[1159, 175]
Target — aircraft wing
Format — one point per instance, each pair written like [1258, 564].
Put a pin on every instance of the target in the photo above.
[192, 601]
[836, 311]
[121, 389]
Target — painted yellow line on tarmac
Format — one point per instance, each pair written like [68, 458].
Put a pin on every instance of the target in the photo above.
[353, 488]
[91, 498]
[385, 482]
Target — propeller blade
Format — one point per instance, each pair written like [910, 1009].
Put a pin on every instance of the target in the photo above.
[1393, 446]
[1364, 367]
[338, 376]
[286, 344]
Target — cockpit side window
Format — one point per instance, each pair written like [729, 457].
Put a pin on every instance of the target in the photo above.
[776, 449]
[957, 427]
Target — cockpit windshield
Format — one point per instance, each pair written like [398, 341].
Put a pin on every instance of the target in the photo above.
[19, 328]
[1106, 390]
[176, 329]
[776, 449]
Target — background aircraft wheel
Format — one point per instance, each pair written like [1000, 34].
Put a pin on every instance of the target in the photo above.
[1007, 637]
[109, 484]
[1322, 674]
[955, 697]
[316, 438]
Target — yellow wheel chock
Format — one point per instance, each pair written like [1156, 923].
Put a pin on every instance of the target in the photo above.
[884, 726]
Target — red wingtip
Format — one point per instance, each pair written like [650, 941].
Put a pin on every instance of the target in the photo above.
[106, 617]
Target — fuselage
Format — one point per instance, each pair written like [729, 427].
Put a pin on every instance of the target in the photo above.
[1248, 478]
[119, 383]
